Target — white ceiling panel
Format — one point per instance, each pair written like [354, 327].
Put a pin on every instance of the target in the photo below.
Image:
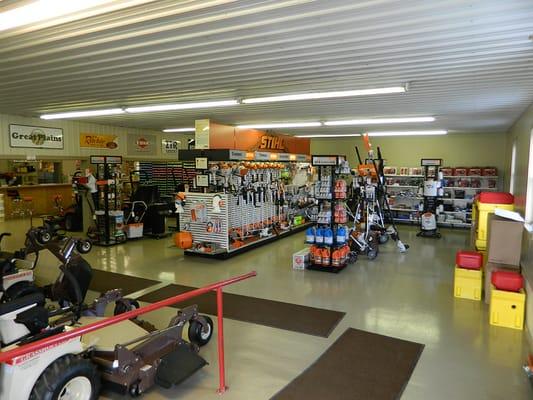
[468, 63]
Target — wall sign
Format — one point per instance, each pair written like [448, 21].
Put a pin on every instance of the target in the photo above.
[262, 156]
[142, 144]
[437, 162]
[170, 146]
[37, 137]
[106, 159]
[325, 160]
[98, 141]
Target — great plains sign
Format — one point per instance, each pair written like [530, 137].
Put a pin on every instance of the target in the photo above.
[36, 137]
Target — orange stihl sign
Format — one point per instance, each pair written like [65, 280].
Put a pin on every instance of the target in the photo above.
[271, 143]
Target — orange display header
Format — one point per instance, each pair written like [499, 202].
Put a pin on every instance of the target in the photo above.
[228, 137]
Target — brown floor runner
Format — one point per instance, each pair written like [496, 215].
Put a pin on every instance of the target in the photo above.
[358, 366]
[276, 314]
[103, 281]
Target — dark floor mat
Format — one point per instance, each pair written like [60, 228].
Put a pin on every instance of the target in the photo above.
[358, 366]
[276, 314]
[103, 281]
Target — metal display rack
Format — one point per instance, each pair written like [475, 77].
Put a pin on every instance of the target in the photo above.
[326, 200]
[109, 221]
[457, 199]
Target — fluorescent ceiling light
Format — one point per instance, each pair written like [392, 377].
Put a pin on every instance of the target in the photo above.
[182, 106]
[407, 133]
[371, 121]
[325, 95]
[179, 130]
[281, 125]
[81, 114]
[329, 136]
[43, 10]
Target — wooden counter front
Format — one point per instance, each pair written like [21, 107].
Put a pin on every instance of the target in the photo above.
[42, 196]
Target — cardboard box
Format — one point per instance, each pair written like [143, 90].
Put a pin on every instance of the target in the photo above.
[504, 243]
[489, 267]
[300, 259]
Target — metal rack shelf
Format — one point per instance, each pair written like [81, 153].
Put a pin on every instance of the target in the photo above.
[404, 176]
[469, 188]
[471, 176]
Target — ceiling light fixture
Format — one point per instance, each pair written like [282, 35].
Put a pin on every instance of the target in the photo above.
[373, 121]
[81, 114]
[328, 136]
[182, 106]
[281, 125]
[408, 133]
[179, 130]
[43, 10]
[325, 95]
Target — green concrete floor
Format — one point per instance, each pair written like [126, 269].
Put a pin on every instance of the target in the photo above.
[408, 296]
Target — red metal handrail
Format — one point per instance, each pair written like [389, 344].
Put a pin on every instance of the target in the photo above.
[62, 337]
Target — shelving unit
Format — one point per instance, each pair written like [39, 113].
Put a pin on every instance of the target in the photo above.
[402, 190]
[167, 174]
[328, 197]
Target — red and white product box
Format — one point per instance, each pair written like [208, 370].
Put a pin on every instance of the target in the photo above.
[300, 259]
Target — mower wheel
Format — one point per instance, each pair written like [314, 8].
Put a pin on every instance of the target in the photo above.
[69, 377]
[134, 390]
[18, 290]
[197, 334]
[43, 236]
[383, 238]
[84, 246]
[352, 257]
[372, 254]
[124, 305]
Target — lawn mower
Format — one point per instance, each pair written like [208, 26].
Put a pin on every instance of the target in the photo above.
[17, 268]
[75, 369]
[15, 281]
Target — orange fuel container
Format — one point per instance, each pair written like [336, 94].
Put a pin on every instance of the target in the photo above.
[183, 240]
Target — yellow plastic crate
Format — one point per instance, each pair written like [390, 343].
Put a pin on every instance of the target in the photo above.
[480, 216]
[507, 308]
[467, 283]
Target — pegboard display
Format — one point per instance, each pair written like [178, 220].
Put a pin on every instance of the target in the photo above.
[206, 226]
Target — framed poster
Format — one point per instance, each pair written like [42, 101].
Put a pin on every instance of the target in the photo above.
[201, 162]
[35, 137]
[202, 180]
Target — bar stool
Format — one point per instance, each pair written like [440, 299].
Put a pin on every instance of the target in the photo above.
[16, 203]
[27, 206]
[20, 206]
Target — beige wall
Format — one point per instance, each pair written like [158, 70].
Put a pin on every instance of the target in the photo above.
[475, 149]
[520, 133]
[71, 132]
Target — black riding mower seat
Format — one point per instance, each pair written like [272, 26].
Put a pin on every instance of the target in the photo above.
[7, 267]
